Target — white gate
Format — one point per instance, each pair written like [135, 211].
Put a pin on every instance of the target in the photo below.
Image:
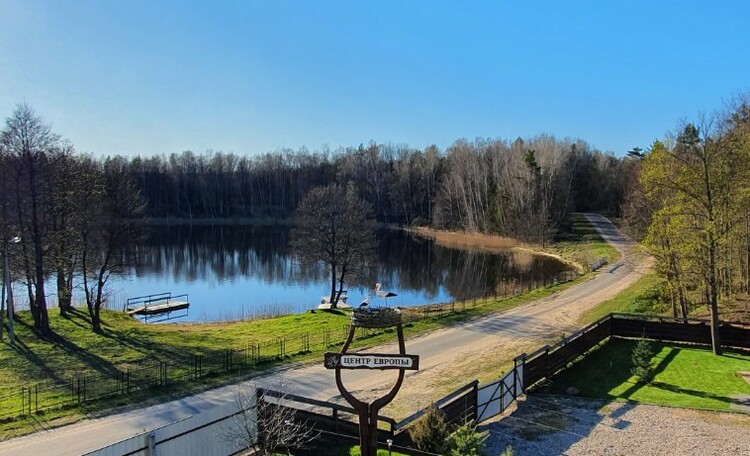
[494, 398]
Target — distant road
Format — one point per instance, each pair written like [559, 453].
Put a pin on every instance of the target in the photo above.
[444, 354]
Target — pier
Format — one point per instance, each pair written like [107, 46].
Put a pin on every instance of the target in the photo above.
[161, 305]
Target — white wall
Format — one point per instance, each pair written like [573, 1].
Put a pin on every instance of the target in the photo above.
[197, 435]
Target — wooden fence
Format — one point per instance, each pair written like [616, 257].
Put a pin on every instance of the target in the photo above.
[548, 360]
[338, 423]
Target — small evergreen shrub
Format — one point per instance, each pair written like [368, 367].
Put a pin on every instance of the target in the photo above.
[466, 441]
[642, 368]
[430, 433]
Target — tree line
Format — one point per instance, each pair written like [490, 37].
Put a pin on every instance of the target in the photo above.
[522, 189]
[74, 212]
[688, 200]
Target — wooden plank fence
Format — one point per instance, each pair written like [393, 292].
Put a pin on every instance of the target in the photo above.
[529, 369]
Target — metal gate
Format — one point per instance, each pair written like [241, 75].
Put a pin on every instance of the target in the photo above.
[495, 397]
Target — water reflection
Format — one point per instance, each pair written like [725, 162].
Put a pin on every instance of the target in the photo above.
[252, 266]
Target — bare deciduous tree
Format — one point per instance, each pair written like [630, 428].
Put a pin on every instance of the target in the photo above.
[266, 424]
[333, 225]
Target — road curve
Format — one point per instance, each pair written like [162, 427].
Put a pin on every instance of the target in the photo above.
[441, 353]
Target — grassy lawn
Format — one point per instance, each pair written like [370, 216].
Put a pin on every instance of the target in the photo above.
[641, 297]
[685, 376]
[581, 243]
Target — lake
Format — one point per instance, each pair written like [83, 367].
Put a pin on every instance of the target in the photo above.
[239, 271]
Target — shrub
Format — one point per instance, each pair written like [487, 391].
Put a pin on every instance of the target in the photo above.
[430, 433]
[466, 441]
[642, 368]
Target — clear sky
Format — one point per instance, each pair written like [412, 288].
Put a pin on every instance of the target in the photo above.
[146, 76]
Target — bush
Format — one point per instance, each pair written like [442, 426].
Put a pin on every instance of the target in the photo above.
[466, 441]
[642, 368]
[430, 433]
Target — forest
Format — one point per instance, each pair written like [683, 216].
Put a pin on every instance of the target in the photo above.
[522, 189]
[691, 207]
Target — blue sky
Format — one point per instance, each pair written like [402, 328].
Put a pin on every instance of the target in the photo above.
[145, 77]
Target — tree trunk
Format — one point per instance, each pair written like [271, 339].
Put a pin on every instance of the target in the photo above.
[64, 293]
[333, 299]
[713, 295]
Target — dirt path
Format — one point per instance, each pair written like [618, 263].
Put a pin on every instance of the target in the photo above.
[450, 358]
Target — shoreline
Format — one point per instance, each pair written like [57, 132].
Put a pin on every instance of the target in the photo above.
[484, 243]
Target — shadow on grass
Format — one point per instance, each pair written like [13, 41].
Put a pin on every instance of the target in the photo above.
[659, 368]
[22, 349]
[96, 362]
[702, 394]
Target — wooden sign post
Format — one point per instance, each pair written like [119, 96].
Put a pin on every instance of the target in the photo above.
[368, 412]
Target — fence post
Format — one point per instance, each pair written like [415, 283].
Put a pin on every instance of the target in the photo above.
[661, 328]
[502, 395]
[476, 401]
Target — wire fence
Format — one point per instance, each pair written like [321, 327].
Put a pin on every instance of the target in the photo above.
[84, 387]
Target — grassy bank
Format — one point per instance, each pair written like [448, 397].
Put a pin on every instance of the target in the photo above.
[128, 345]
[641, 297]
[580, 243]
[577, 242]
[685, 376]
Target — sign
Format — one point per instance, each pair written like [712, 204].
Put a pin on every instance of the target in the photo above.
[370, 361]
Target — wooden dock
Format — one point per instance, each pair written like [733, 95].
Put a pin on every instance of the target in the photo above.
[155, 309]
[157, 304]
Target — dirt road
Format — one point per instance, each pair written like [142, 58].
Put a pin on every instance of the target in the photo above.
[449, 358]
[452, 357]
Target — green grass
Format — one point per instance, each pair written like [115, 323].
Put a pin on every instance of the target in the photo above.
[641, 297]
[685, 376]
[355, 451]
[127, 343]
[580, 242]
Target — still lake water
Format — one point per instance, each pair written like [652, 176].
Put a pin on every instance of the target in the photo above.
[234, 272]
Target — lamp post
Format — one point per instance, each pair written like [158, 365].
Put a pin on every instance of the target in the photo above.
[7, 282]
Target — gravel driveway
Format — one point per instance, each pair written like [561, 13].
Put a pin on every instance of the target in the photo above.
[544, 425]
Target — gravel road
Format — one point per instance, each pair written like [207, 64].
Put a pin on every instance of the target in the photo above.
[550, 425]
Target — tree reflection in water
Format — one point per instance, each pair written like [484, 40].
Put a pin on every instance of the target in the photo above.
[417, 269]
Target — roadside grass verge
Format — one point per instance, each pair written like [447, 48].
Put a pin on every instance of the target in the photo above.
[580, 242]
[685, 376]
[642, 297]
